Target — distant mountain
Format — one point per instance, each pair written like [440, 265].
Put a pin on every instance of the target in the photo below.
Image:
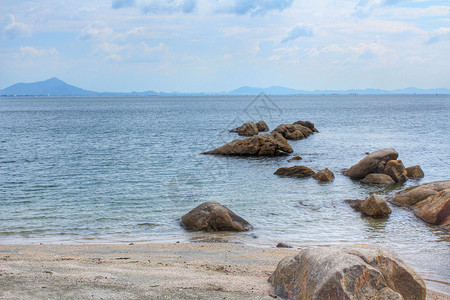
[49, 87]
[56, 87]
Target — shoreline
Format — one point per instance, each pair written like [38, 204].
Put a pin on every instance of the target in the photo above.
[141, 271]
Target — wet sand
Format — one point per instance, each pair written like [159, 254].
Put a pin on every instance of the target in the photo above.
[140, 271]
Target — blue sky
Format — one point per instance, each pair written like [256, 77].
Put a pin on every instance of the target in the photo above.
[220, 45]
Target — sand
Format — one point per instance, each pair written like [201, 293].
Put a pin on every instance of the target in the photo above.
[140, 271]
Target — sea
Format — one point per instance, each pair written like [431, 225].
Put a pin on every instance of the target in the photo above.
[124, 170]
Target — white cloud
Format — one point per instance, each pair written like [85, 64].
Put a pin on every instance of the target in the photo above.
[141, 52]
[13, 29]
[158, 6]
[441, 34]
[254, 7]
[31, 52]
[97, 31]
[298, 31]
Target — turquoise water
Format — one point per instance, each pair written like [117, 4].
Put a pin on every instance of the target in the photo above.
[125, 169]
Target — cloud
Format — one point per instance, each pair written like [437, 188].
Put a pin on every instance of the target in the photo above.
[364, 7]
[438, 35]
[13, 29]
[141, 52]
[298, 31]
[123, 3]
[96, 30]
[254, 7]
[32, 52]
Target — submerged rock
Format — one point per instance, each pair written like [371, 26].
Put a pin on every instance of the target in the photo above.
[295, 158]
[429, 201]
[295, 171]
[373, 163]
[324, 175]
[346, 272]
[246, 129]
[377, 178]
[373, 206]
[261, 145]
[415, 172]
[396, 170]
[213, 216]
[262, 126]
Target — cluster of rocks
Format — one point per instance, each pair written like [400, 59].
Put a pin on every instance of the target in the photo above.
[323, 175]
[429, 201]
[271, 144]
[250, 128]
[382, 167]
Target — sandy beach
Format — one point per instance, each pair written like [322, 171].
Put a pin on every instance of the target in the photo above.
[140, 271]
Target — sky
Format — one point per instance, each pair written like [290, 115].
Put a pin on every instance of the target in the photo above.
[220, 45]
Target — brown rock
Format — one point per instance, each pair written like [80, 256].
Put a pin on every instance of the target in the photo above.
[283, 245]
[308, 124]
[295, 171]
[373, 206]
[372, 163]
[262, 126]
[295, 158]
[293, 132]
[377, 178]
[396, 170]
[261, 145]
[346, 272]
[324, 175]
[415, 172]
[246, 129]
[213, 216]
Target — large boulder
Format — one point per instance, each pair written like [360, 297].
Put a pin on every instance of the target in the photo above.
[261, 145]
[377, 178]
[247, 129]
[373, 206]
[372, 163]
[396, 170]
[324, 175]
[297, 131]
[213, 216]
[415, 172]
[262, 126]
[429, 201]
[346, 272]
[295, 171]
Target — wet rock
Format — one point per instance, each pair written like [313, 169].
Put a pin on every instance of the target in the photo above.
[283, 245]
[396, 170]
[372, 163]
[324, 175]
[213, 216]
[346, 272]
[377, 178]
[246, 129]
[415, 172]
[295, 158]
[308, 124]
[429, 201]
[373, 206]
[262, 126]
[272, 144]
[295, 171]
[297, 131]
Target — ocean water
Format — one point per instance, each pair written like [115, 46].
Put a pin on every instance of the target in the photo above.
[99, 170]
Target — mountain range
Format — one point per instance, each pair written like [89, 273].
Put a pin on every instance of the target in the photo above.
[55, 87]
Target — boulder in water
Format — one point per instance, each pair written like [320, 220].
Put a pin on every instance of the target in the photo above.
[246, 129]
[378, 178]
[415, 172]
[324, 175]
[295, 171]
[262, 126]
[373, 206]
[396, 170]
[373, 163]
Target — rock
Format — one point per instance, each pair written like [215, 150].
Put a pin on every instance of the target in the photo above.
[373, 206]
[346, 272]
[377, 178]
[415, 194]
[261, 145]
[414, 172]
[429, 201]
[283, 245]
[297, 131]
[262, 126]
[324, 175]
[295, 158]
[372, 163]
[396, 170]
[213, 216]
[246, 129]
[435, 209]
[308, 124]
[295, 171]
